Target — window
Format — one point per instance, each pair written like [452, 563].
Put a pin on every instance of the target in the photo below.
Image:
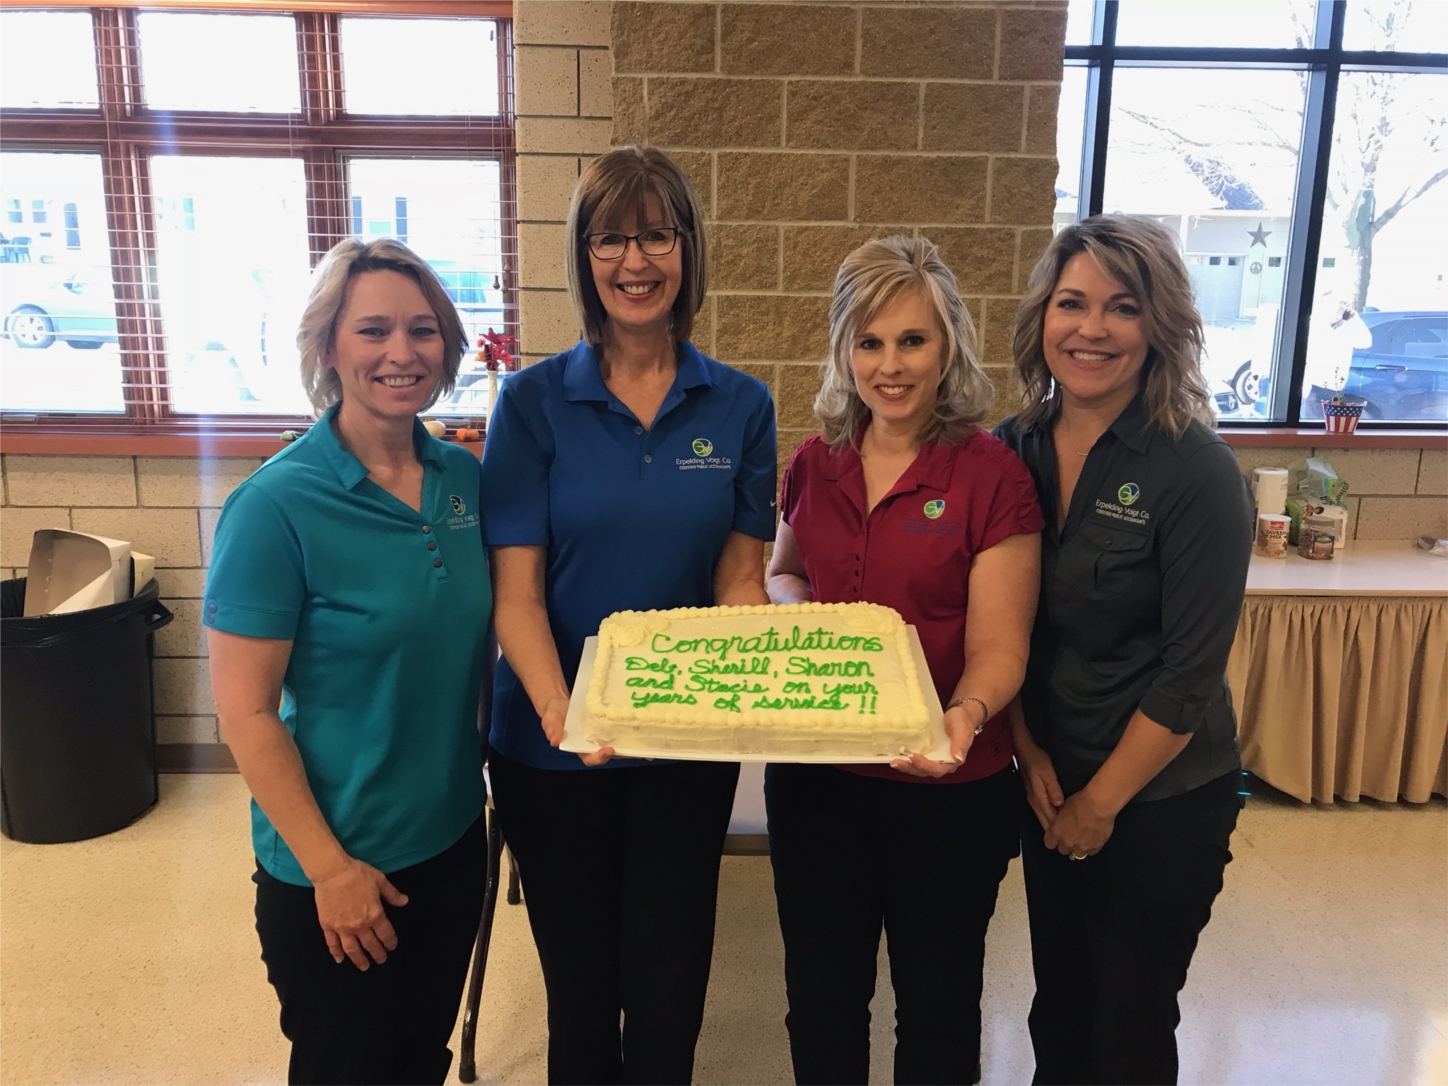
[1306, 174]
[164, 204]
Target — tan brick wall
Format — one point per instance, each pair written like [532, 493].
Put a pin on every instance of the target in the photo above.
[166, 507]
[564, 94]
[808, 128]
[1392, 493]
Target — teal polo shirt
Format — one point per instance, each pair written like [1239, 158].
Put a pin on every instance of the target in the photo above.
[387, 610]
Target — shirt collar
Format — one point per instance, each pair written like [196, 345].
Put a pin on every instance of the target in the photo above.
[349, 469]
[933, 466]
[583, 382]
[1133, 427]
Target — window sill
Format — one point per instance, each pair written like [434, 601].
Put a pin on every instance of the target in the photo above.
[181, 445]
[1316, 437]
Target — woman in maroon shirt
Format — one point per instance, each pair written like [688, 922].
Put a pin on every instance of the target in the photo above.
[903, 500]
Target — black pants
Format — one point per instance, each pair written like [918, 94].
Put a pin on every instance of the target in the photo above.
[390, 1024]
[1112, 935]
[620, 871]
[853, 852]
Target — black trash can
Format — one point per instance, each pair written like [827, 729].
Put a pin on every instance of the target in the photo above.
[77, 730]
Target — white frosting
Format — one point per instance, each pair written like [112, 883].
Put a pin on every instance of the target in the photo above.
[768, 679]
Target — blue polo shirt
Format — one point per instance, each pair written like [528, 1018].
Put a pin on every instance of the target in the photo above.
[632, 518]
[387, 610]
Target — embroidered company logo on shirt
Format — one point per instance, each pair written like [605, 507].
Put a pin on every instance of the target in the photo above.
[703, 457]
[1128, 494]
[464, 519]
[932, 524]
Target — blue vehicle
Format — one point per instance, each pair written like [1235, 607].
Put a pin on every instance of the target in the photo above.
[1403, 376]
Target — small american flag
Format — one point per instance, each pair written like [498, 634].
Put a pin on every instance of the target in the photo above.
[1341, 418]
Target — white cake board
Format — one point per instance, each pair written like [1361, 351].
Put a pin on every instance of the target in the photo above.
[573, 725]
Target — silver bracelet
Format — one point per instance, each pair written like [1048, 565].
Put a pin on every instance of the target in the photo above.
[984, 711]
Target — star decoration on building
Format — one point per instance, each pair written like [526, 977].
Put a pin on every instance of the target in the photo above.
[1259, 236]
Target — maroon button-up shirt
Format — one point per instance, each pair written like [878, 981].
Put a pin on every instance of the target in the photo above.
[913, 552]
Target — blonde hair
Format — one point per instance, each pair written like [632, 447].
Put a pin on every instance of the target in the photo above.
[870, 278]
[1141, 255]
[614, 185]
[317, 331]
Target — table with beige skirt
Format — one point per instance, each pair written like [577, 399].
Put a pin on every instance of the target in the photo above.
[1340, 674]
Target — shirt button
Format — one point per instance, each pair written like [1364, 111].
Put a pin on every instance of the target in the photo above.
[432, 544]
[437, 563]
[211, 607]
[426, 528]
[638, 429]
[648, 459]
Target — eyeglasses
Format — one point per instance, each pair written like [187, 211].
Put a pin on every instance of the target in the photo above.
[659, 241]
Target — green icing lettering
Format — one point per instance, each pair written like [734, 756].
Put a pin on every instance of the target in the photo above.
[847, 669]
[816, 640]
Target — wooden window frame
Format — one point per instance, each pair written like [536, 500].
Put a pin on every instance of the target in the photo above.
[125, 133]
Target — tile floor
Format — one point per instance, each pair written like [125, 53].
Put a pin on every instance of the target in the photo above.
[131, 959]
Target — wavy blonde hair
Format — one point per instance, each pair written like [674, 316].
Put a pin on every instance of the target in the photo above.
[613, 186]
[317, 330]
[1143, 256]
[871, 277]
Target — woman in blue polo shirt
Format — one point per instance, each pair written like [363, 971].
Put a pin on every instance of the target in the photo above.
[349, 583]
[630, 472]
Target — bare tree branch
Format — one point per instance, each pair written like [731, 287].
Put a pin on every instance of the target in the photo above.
[1406, 199]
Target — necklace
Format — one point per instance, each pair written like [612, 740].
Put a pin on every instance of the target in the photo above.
[1060, 435]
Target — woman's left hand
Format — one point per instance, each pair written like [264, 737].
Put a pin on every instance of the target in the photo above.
[1079, 829]
[960, 730]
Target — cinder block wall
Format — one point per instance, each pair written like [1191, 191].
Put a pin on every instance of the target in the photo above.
[1392, 493]
[167, 507]
[808, 128]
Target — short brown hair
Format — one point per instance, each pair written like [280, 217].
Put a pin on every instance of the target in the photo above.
[317, 331]
[870, 277]
[1141, 255]
[612, 186]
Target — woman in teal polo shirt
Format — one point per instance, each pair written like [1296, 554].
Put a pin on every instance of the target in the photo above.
[630, 472]
[349, 584]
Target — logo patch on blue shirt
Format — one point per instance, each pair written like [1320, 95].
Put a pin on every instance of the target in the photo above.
[457, 503]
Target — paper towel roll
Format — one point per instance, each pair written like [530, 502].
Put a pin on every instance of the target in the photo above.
[1269, 486]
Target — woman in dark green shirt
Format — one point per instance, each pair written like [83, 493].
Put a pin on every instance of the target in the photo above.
[1124, 729]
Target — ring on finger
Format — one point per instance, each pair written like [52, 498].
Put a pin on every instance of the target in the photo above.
[1078, 855]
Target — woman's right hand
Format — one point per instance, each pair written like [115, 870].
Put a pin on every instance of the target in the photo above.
[349, 908]
[555, 712]
[1043, 791]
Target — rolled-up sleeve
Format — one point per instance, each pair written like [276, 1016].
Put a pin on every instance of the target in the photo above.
[257, 581]
[516, 461]
[758, 472]
[1205, 544]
